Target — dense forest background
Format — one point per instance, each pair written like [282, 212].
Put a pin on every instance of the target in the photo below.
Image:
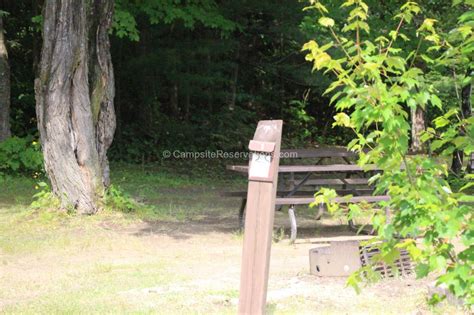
[199, 75]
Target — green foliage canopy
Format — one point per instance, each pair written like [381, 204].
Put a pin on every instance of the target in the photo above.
[189, 12]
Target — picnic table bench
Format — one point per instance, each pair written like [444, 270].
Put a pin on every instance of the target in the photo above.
[297, 183]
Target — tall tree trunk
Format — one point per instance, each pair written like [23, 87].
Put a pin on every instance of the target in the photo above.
[209, 90]
[74, 100]
[187, 104]
[174, 100]
[235, 77]
[102, 81]
[36, 10]
[4, 87]
[466, 112]
[417, 127]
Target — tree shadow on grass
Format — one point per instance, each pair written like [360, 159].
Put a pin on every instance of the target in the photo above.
[205, 225]
[227, 224]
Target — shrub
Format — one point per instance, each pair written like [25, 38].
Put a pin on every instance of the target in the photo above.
[20, 156]
[116, 199]
[376, 83]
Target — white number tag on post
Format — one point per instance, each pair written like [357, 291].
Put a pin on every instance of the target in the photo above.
[260, 165]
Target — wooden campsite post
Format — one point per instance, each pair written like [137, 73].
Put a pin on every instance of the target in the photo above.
[263, 178]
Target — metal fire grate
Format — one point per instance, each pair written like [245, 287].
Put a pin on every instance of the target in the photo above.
[403, 264]
[340, 258]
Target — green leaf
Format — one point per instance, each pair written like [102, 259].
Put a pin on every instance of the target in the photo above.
[311, 45]
[435, 100]
[320, 7]
[427, 59]
[427, 25]
[466, 198]
[440, 122]
[342, 119]
[396, 62]
[326, 22]
[321, 60]
[422, 270]
[382, 39]
[371, 66]
[467, 186]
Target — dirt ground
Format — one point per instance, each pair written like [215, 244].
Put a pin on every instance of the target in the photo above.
[201, 263]
[212, 261]
[115, 263]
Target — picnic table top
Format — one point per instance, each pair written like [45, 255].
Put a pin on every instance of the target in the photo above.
[343, 199]
[311, 168]
[324, 152]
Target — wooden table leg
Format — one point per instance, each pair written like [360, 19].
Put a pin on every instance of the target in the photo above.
[242, 213]
[294, 227]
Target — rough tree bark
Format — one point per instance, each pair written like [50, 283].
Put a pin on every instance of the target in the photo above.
[103, 82]
[235, 77]
[174, 100]
[74, 100]
[466, 112]
[417, 127]
[4, 87]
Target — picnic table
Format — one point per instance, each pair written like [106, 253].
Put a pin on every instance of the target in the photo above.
[298, 182]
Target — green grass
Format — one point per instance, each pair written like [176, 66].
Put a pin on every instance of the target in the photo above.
[57, 263]
[16, 191]
[161, 196]
[176, 192]
[93, 288]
